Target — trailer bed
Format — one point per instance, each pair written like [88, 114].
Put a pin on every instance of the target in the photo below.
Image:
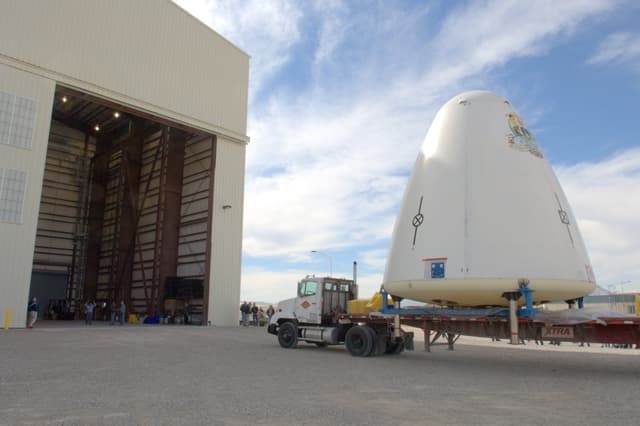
[449, 326]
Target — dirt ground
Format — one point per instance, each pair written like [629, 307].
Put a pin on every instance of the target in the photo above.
[70, 374]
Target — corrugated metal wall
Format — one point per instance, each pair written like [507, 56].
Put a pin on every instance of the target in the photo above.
[194, 211]
[61, 235]
[149, 54]
[18, 239]
[64, 194]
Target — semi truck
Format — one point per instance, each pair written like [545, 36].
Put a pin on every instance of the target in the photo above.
[318, 315]
[323, 313]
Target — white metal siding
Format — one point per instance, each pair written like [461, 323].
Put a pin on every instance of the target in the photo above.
[17, 239]
[149, 54]
[226, 256]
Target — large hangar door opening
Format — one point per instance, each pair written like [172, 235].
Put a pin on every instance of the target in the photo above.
[125, 209]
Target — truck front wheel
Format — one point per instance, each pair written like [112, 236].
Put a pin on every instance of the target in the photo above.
[288, 335]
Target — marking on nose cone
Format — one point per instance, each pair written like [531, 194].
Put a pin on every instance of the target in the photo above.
[417, 221]
[564, 218]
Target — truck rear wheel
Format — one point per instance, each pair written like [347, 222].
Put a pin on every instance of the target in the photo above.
[359, 341]
[288, 335]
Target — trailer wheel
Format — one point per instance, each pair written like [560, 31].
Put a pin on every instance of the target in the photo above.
[288, 335]
[359, 341]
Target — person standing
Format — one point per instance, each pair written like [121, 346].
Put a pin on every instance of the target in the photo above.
[270, 312]
[243, 311]
[32, 312]
[123, 311]
[187, 314]
[88, 311]
[254, 311]
[104, 312]
[114, 312]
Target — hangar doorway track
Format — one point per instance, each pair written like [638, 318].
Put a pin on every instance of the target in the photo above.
[125, 211]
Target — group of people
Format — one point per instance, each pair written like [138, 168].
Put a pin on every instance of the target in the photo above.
[251, 310]
[58, 309]
[112, 310]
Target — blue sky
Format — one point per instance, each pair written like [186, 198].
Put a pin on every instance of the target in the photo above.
[343, 93]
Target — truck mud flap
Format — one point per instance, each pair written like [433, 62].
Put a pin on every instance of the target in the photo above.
[408, 341]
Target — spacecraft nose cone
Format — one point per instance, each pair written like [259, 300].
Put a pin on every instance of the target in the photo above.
[483, 210]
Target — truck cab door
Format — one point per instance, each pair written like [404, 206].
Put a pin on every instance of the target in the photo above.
[309, 302]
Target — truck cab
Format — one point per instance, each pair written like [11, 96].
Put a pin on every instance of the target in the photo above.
[312, 314]
[318, 315]
[318, 301]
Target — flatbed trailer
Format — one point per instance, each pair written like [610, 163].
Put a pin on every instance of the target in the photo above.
[449, 327]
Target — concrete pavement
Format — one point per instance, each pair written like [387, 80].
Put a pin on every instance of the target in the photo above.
[69, 374]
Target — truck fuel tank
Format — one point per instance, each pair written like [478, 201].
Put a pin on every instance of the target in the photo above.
[327, 335]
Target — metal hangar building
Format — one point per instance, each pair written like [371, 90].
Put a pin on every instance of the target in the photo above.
[122, 158]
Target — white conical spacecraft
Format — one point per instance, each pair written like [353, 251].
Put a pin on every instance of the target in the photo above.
[484, 213]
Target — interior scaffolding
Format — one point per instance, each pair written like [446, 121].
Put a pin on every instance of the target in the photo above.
[126, 207]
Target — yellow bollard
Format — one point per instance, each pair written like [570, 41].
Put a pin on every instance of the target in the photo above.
[7, 318]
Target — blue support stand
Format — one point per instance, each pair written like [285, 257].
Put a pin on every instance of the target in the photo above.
[527, 311]
[385, 299]
[580, 301]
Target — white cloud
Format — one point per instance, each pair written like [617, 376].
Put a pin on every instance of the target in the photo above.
[618, 48]
[482, 35]
[375, 259]
[605, 198]
[334, 24]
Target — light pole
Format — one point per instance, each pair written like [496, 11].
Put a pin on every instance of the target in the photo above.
[328, 257]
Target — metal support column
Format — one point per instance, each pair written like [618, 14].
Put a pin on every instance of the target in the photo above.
[513, 297]
[427, 337]
[451, 339]
[207, 273]
[131, 166]
[95, 219]
[172, 199]
[396, 321]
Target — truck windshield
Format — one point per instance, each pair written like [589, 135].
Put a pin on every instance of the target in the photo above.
[307, 288]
